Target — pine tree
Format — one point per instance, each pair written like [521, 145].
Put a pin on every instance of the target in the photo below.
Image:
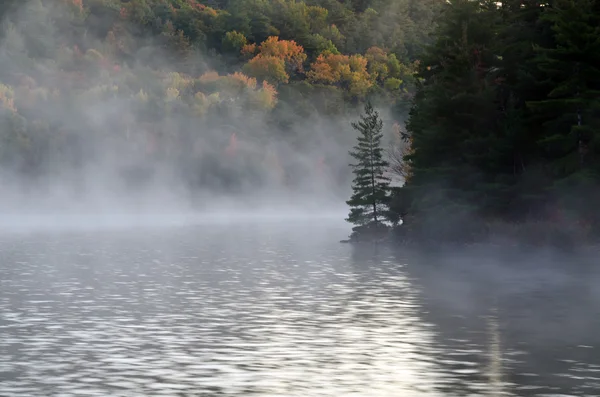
[461, 162]
[370, 201]
[571, 139]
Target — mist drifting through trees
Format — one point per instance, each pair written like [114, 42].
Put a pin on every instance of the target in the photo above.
[489, 109]
[111, 104]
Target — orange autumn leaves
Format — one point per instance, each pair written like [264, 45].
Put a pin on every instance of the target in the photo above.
[275, 61]
[349, 71]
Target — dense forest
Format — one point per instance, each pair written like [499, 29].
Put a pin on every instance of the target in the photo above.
[504, 128]
[490, 109]
[226, 96]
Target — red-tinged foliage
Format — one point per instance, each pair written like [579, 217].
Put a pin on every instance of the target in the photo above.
[288, 50]
[323, 71]
[248, 50]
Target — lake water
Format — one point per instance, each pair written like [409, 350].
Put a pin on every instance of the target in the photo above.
[283, 309]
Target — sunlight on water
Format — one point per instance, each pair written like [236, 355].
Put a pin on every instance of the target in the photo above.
[246, 311]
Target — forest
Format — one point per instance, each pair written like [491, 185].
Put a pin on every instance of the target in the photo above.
[490, 109]
[504, 127]
[223, 96]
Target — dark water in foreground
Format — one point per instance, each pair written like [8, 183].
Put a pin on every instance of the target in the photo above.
[284, 310]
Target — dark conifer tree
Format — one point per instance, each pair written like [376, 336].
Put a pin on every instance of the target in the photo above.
[570, 142]
[458, 160]
[370, 201]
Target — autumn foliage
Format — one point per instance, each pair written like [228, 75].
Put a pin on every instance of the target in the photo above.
[349, 72]
[275, 61]
[143, 60]
[287, 50]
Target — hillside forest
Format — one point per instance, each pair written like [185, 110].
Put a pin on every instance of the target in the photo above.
[490, 109]
[232, 97]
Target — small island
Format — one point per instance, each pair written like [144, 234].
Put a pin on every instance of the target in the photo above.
[370, 201]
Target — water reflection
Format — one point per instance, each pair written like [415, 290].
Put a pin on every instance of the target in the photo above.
[273, 311]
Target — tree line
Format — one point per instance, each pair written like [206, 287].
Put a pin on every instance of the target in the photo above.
[221, 91]
[502, 136]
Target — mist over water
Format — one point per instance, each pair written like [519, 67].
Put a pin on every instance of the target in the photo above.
[131, 266]
[278, 307]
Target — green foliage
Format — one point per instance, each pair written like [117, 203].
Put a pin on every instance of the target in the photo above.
[504, 125]
[146, 69]
[369, 203]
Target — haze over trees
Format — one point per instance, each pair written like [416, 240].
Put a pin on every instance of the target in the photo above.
[496, 103]
[222, 96]
[504, 125]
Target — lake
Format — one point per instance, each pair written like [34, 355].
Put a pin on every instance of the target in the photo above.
[283, 309]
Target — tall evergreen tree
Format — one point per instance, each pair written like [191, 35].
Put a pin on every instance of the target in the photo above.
[520, 81]
[571, 133]
[370, 201]
[459, 159]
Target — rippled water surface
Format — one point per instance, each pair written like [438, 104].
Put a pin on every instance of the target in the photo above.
[285, 310]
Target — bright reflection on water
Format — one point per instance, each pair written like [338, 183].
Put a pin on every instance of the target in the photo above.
[279, 310]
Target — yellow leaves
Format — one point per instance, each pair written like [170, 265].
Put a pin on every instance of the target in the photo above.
[268, 68]
[266, 97]
[179, 81]
[275, 60]
[377, 63]
[142, 96]
[233, 82]
[287, 50]
[201, 102]
[336, 69]
[7, 98]
[234, 88]
[358, 63]
[213, 98]
[172, 94]
[392, 84]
